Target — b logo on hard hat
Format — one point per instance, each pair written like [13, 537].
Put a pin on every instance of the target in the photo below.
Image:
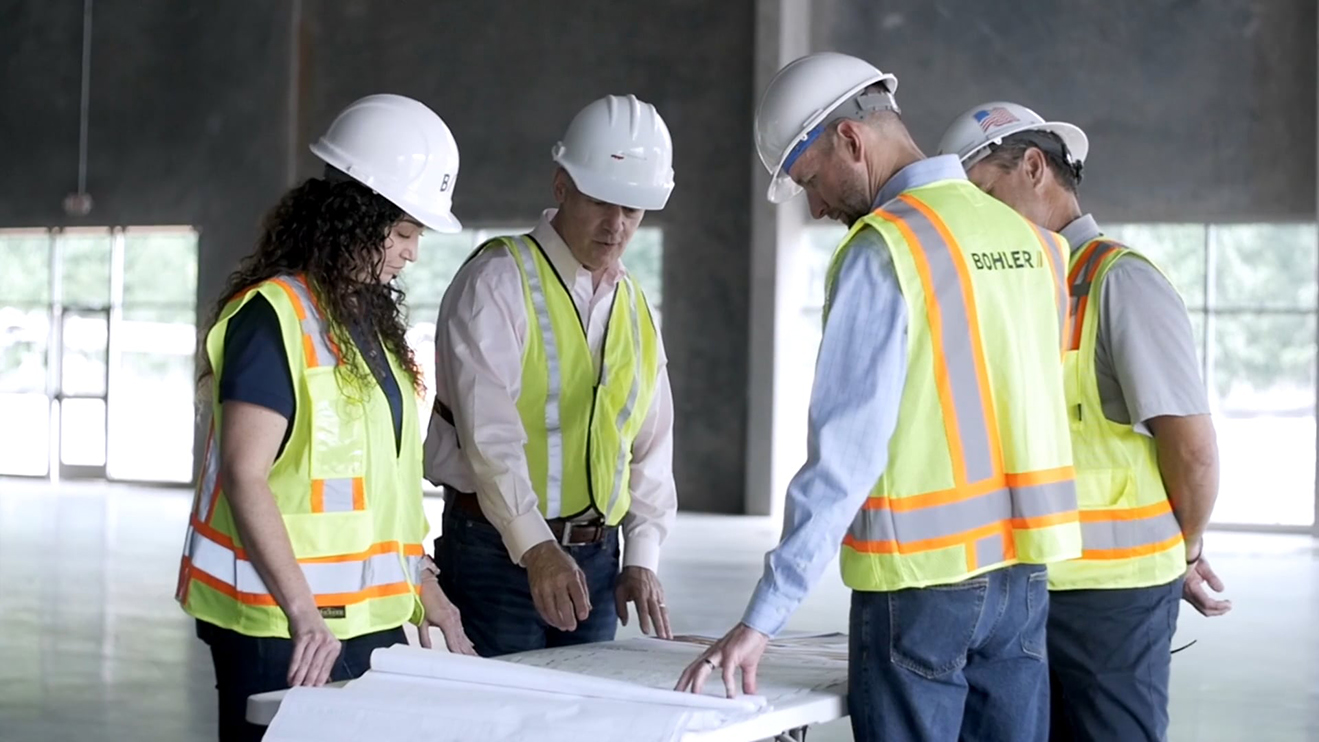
[444, 184]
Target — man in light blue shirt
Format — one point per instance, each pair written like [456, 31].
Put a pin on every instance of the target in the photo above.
[854, 157]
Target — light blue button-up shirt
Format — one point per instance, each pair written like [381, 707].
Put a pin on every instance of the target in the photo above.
[854, 409]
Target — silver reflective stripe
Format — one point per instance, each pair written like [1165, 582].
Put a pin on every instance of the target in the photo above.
[313, 325]
[989, 551]
[553, 425]
[324, 578]
[955, 518]
[337, 495]
[625, 414]
[1129, 534]
[313, 328]
[1059, 265]
[207, 489]
[959, 357]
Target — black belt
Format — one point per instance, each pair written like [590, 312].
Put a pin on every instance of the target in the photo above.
[566, 532]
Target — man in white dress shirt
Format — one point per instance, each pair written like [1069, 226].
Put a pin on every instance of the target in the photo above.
[553, 419]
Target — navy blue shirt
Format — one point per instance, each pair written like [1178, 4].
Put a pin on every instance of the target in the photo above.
[256, 367]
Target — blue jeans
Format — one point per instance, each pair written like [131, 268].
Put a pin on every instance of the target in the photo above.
[954, 662]
[1110, 658]
[494, 596]
[245, 665]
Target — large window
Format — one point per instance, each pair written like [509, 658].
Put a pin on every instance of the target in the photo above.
[1252, 295]
[97, 336]
[441, 255]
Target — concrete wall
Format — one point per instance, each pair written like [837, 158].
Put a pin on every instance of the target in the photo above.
[1196, 109]
[200, 114]
[191, 117]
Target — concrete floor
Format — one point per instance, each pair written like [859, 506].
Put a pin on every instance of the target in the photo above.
[92, 645]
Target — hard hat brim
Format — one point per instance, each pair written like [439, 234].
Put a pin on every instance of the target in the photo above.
[1078, 145]
[612, 191]
[781, 185]
[443, 222]
[438, 220]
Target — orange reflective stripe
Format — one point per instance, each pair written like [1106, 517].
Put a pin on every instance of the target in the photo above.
[1078, 300]
[990, 417]
[309, 350]
[1056, 266]
[1044, 521]
[958, 494]
[1042, 476]
[382, 547]
[322, 601]
[1134, 551]
[359, 494]
[311, 297]
[293, 297]
[1079, 284]
[935, 318]
[902, 529]
[185, 580]
[1147, 511]
[318, 495]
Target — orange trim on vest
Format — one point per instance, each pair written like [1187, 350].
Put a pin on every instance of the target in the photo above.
[941, 381]
[1135, 551]
[973, 326]
[322, 601]
[958, 494]
[1153, 510]
[1061, 288]
[382, 547]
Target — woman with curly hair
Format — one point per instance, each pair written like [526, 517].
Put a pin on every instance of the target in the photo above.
[303, 551]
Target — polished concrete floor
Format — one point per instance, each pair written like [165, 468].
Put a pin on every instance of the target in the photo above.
[93, 647]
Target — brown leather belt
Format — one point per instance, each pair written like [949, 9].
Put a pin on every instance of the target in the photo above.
[567, 533]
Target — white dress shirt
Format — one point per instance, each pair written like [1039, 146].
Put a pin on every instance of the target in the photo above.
[479, 340]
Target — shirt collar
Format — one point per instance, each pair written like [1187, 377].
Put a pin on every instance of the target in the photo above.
[1081, 231]
[920, 173]
[561, 257]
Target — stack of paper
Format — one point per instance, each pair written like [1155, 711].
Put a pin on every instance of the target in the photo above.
[412, 694]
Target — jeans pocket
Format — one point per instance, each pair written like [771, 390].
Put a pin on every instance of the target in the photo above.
[931, 629]
[1033, 640]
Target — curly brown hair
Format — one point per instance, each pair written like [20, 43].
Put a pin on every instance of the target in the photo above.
[333, 231]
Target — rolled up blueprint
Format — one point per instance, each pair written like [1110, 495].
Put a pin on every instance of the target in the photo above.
[425, 663]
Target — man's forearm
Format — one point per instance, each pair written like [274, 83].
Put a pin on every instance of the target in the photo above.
[1188, 463]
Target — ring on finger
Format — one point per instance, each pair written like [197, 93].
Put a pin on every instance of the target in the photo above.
[710, 662]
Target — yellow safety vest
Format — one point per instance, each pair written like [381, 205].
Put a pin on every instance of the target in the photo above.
[1129, 533]
[979, 471]
[351, 502]
[580, 421]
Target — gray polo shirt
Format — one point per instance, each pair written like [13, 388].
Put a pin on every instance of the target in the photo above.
[1145, 360]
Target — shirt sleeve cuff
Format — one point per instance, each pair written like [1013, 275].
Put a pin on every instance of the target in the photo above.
[642, 551]
[524, 532]
[768, 611]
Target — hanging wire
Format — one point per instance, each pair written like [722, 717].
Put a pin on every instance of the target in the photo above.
[86, 94]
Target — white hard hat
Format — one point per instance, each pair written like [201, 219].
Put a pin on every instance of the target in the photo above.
[618, 150]
[796, 105]
[400, 149]
[972, 133]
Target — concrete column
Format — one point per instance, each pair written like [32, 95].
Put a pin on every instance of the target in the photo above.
[779, 285]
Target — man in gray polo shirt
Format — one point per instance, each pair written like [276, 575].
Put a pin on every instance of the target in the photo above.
[1143, 441]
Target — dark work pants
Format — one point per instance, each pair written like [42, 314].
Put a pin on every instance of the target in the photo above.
[494, 596]
[245, 665]
[1110, 658]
